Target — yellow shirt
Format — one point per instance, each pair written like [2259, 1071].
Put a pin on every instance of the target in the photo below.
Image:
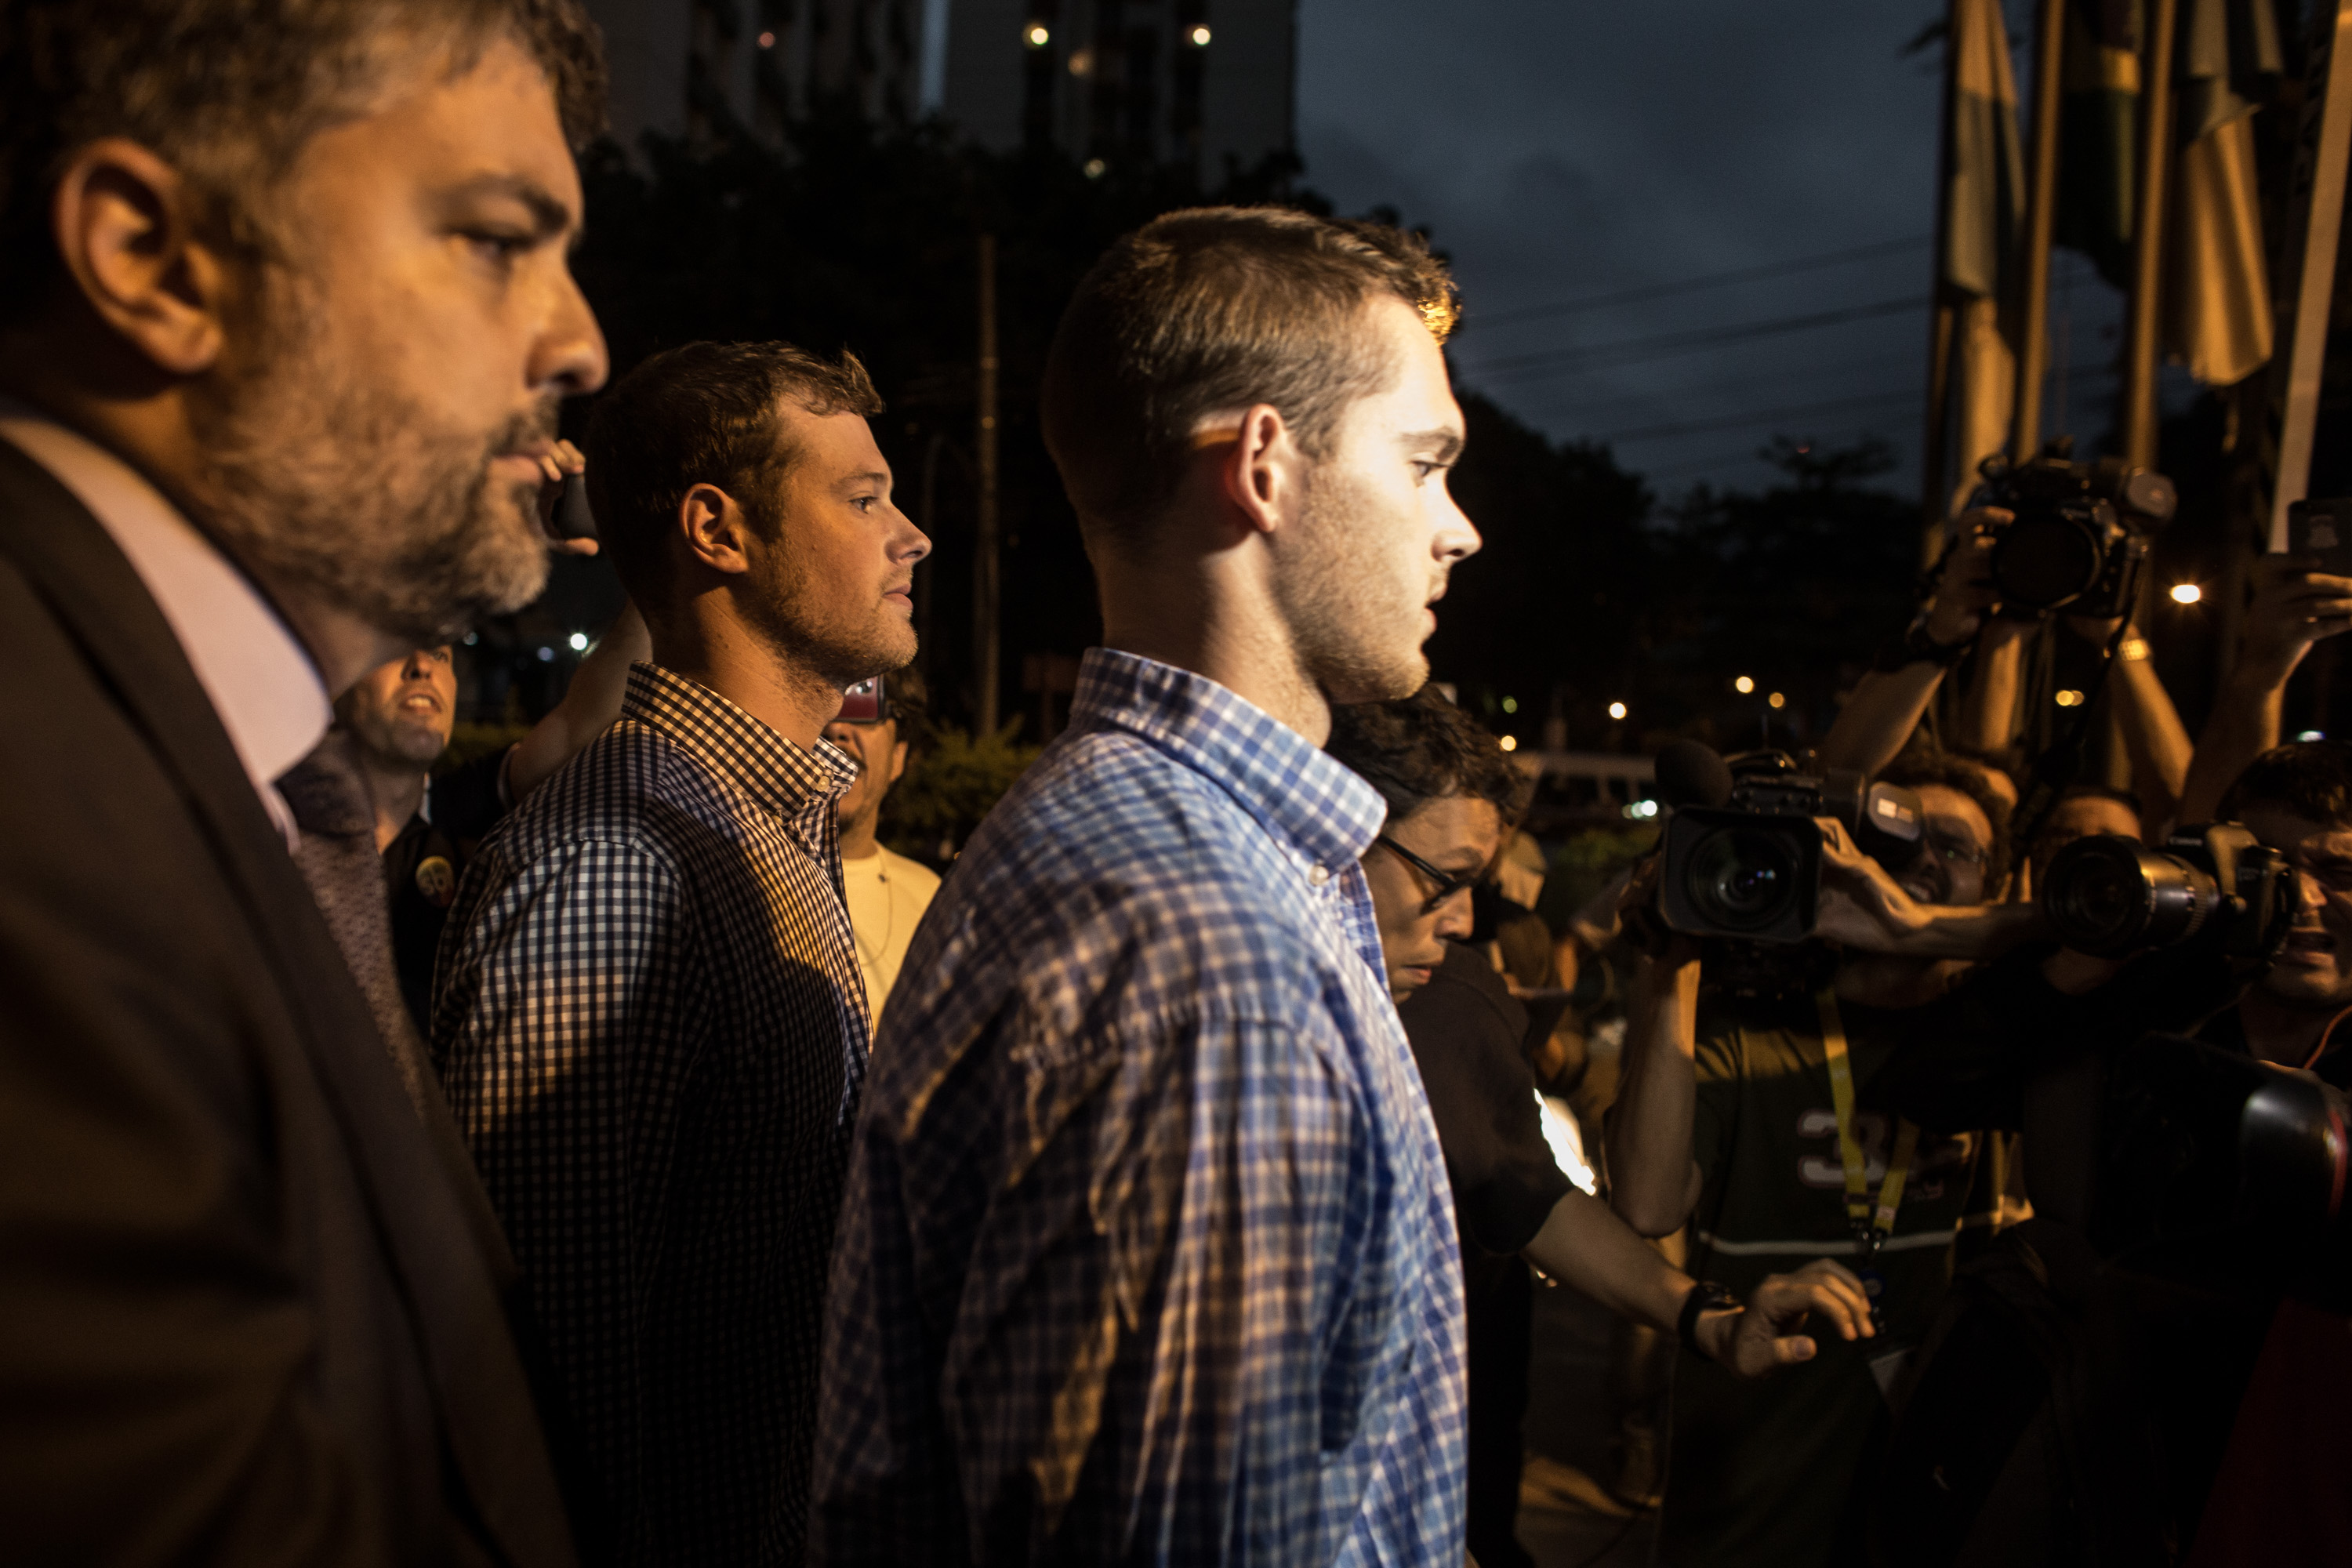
[887, 894]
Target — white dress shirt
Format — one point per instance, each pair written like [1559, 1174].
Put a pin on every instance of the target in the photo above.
[263, 685]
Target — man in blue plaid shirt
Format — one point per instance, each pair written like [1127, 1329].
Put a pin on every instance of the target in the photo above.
[1148, 1252]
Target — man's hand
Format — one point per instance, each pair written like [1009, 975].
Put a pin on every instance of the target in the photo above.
[1765, 1336]
[565, 459]
[1967, 595]
[1861, 906]
[2293, 607]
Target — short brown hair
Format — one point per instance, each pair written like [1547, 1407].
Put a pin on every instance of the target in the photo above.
[2312, 779]
[230, 91]
[1218, 308]
[1423, 748]
[704, 414]
[1967, 776]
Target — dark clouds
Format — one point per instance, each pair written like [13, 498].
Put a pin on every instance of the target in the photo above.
[1564, 149]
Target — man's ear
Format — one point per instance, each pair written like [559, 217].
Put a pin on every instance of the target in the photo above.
[714, 528]
[124, 226]
[1262, 468]
[898, 760]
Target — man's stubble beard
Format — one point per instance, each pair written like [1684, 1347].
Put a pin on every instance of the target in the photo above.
[792, 617]
[1353, 635]
[322, 480]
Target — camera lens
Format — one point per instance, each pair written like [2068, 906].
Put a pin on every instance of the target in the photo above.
[1742, 878]
[2043, 562]
[2109, 897]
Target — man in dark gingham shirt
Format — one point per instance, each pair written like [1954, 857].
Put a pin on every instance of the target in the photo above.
[1147, 1254]
[649, 1019]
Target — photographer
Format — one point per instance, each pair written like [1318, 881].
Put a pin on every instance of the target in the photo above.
[1451, 794]
[1764, 1121]
[2295, 607]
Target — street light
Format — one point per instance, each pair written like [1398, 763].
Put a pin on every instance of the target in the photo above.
[1743, 686]
[579, 642]
[1777, 700]
[1616, 710]
[1200, 36]
[2186, 593]
[1510, 743]
[1037, 36]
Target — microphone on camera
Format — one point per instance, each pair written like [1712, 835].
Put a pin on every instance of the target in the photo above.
[1691, 774]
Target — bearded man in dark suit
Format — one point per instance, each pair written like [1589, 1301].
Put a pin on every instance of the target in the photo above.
[284, 315]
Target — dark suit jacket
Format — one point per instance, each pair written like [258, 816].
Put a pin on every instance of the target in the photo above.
[252, 1308]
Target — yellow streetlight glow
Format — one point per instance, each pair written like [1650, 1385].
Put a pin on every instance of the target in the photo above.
[1510, 743]
[1777, 700]
[2069, 699]
[1200, 36]
[1037, 36]
[1616, 710]
[1743, 686]
[2186, 593]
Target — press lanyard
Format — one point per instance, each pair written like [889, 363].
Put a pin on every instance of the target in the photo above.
[1871, 1225]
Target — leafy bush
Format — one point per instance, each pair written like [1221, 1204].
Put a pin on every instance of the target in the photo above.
[1584, 864]
[949, 786]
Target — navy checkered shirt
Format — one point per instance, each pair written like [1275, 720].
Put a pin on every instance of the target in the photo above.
[1147, 1254]
[651, 1025]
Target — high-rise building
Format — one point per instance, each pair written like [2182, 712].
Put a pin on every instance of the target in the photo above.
[684, 66]
[1202, 84]
[1198, 83]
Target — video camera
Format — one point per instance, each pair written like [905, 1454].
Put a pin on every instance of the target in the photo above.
[2111, 896]
[1743, 855]
[2081, 531]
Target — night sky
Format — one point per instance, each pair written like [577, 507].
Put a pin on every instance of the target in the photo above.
[1564, 153]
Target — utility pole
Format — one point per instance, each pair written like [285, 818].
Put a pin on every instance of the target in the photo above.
[985, 630]
[2041, 209]
[2137, 423]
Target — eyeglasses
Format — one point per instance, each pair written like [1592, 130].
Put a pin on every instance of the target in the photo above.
[1449, 883]
[1955, 848]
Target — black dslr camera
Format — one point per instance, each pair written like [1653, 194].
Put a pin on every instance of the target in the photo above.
[2214, 885]
[2081, 531]
[1743, 856]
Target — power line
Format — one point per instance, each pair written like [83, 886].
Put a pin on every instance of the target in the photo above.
[1762, 417]
[1580, 402]
[1664, 343]
[1768, 415]
[1691, 285]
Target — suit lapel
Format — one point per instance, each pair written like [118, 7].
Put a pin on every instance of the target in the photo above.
[444, 1245]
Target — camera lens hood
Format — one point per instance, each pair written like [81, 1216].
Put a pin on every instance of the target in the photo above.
[2110, 897]
[2046, 559]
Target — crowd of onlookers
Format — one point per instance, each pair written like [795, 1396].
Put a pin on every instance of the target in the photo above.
[605, 1150]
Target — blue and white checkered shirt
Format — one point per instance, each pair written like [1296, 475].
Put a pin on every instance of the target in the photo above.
[1147, 1254]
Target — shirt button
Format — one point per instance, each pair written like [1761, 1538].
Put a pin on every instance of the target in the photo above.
[1318, 875]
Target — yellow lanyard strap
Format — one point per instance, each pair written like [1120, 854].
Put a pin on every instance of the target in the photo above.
[1870, 1227]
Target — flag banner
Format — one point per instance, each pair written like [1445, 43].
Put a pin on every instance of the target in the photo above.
[2217, 296]
[1984, 214]
[2098, 128]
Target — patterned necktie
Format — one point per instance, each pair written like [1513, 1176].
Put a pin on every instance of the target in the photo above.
[339, 858]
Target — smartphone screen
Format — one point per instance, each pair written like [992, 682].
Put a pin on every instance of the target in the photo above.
[2322, 530]
[862, 703]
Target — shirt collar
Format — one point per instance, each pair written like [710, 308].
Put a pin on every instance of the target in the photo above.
[776, 775]
[262, 683]
[1315, 801]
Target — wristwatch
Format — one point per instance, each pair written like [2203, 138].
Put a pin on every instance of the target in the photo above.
[1706, 1296]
